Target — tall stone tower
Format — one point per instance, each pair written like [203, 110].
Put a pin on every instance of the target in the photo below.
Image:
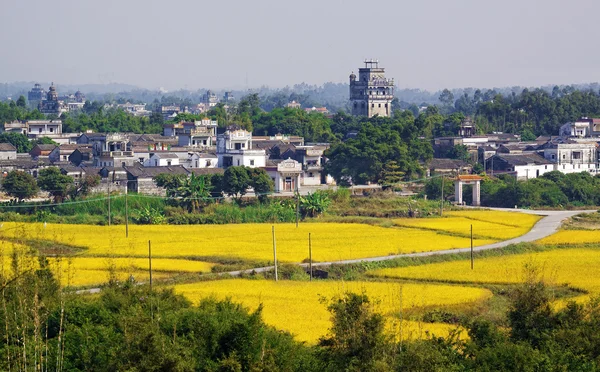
[372, 93]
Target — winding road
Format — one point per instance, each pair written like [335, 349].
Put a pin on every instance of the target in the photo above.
[546, 226]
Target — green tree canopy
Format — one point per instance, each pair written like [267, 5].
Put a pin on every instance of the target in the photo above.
[55, 183]
[20, 185]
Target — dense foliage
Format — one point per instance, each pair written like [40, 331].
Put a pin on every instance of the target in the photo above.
[362, 159]
[132, 327]
[552, 189]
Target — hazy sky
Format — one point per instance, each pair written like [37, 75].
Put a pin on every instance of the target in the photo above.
[427, 44]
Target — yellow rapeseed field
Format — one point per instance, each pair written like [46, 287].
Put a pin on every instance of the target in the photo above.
[578, 267]
[86, 271]
[330, 241]
[298, 307]
[459, 222]
[515, 219]
[572, 237]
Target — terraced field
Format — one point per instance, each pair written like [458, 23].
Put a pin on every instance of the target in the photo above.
[297, 306]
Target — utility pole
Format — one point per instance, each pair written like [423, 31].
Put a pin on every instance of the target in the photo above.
[297, 203]
[471, 247]
[442, 201]
[150, 263]
[274, 253]
[108, 185]
[126, 215]
[310, 257]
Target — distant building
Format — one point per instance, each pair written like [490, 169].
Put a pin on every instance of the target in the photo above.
[293, 105]
[51, 105]
[372, 93]
[210, 99]
[584, 127]
[228, 97]
[35, 96]
[234, 147]
[320, 110]
[201, 133]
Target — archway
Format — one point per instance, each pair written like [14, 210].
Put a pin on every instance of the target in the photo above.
[468, 180]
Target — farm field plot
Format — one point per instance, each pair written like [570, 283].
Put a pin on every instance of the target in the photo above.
[578, 267]
[330, 241]
[460, 223]
[515, 219]
[86, 271]
[572, 237]
[298, 307]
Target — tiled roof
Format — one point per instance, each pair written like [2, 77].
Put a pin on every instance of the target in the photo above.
[7, 147]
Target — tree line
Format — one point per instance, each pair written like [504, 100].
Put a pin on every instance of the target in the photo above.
[552, 189]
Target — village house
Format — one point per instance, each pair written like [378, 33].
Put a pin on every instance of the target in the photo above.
[163, 160]
[141, 179]
[234, 148]
[521, 166]
[285, 174]
[82, 154]
[202, 160]
[201, 133]
[7, 151]
[448, 166]
[43, 151]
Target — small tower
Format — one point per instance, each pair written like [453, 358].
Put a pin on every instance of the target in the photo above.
[372, 93]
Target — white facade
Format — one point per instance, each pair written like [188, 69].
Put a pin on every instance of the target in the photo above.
[41, 128]
[163, 160]
[202, 160]
[529, 171]
[286, 176]
[234, 148]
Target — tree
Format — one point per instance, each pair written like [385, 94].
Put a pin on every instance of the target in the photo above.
[86, 184]
[21, 102]
[261, 182]
[55, 183]
[44, 141]
[195, 191]
[313, 204]
[20, 185]
[391, 174]
[18, 140]
[236, 181]
[357, 341]
[446, 98]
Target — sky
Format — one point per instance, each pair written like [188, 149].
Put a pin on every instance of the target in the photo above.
[234, 44]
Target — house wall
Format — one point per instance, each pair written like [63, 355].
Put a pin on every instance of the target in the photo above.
[526, 172]
[7, 155]
[312, 178]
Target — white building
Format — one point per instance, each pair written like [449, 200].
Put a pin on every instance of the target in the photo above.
[163, 160]
[522, 166]
[285, 175]
[234, 148]
[202, 160]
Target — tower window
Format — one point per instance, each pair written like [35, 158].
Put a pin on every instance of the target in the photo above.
[372, 105]
[380, 105]
[355, 104]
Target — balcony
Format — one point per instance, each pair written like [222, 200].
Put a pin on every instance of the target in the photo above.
[312, 168]
[113, 154]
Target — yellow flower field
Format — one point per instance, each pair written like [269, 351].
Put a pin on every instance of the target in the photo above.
[297, 307]
[460, 222]
[86, 271]
[330, 241]
[572, 237]
[580, 268]
[515, 219]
